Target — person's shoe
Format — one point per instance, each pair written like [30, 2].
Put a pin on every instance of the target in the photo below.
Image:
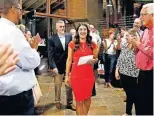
[38, 73]
[109, 84]
[124, 100]
[71, 107]
[106, 85]
[58, 105]
[93, 94]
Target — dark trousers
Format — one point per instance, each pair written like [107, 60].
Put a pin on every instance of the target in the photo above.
[145, 93]
[20, 104]
[69, 95]
[110, 62]
[94, 90]
[129, 85]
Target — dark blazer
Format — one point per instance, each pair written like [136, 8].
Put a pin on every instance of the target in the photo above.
[57, 56]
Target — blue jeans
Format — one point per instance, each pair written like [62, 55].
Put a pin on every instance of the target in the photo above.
[109, 65]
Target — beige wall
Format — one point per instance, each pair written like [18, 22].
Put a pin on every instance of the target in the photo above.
[77, 9]
[93, 11]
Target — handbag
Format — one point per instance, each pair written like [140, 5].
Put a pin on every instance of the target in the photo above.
[37, 94]
[100, 68]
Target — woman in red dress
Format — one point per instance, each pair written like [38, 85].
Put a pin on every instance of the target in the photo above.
[81, 77]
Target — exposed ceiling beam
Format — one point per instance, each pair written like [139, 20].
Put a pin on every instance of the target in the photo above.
[49, 15]
[59, 3]
[34, 5]
[48, 6]
[25, 12]
[29, 3]
[23, 1]
[39, 14]
[38, 4]
[52, 1]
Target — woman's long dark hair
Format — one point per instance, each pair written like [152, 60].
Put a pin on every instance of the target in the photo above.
[77, 38]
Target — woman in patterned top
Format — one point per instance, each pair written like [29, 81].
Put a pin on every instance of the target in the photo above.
[127, 70]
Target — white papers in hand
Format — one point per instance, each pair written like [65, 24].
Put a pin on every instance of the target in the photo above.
[84, 59]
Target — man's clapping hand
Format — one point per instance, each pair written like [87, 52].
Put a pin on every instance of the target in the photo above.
[8, 59]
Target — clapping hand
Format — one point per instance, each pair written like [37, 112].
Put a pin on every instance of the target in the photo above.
[119, 38]
[35, 41]
[8, 59]
[136, 41]
[112, 42]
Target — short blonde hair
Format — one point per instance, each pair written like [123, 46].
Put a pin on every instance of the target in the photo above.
[132, 32]
[149, 7]
[60, 21]
[22, 27]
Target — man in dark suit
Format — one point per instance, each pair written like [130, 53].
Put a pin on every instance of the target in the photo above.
[58, 50]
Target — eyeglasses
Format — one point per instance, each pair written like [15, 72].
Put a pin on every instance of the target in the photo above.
[143, 14]
[129, 35]
[21, 10]
[62, 26]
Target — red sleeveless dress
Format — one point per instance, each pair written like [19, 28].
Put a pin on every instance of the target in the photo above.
[82, 77]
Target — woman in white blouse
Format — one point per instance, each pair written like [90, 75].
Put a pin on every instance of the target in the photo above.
[110, 46]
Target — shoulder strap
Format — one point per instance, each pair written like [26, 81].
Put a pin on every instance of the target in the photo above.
[108, 47]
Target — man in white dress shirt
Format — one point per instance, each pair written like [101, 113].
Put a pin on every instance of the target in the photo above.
[16, 96]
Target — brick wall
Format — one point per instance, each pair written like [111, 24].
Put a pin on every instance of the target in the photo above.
[77, 9]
